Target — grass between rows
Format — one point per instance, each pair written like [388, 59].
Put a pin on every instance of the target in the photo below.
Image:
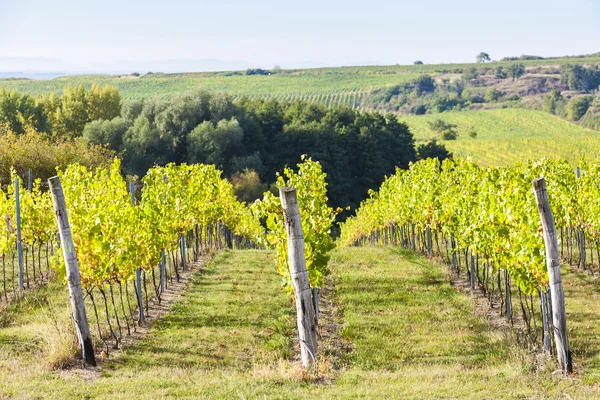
[410, 334]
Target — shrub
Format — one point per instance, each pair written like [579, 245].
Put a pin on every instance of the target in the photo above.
[492, 94]
[578, 106]
[449, 134]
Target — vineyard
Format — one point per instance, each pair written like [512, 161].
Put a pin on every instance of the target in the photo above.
[313, 86]
[348, 98]
[507, 136]
[485, 221]
[381, 309]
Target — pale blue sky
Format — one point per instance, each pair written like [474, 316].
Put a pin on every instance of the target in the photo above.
[267, 32]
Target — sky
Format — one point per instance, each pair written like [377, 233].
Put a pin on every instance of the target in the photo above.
[83, 34]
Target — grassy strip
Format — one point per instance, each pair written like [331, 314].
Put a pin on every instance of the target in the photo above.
[411, 336]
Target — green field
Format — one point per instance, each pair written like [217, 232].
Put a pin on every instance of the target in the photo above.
[310, 83]
[166, 86]
[393, 328]
[505, 136]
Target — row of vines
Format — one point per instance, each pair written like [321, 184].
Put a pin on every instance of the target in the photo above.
[349, 98]
[485, 220]
[134, 239]
[131, 243]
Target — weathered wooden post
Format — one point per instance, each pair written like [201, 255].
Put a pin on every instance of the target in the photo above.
[307, 331]
[138, 272]
[182, 250]
[19, 241]
[557, 296]
[508, 313]
[68, 249]
[428, 241]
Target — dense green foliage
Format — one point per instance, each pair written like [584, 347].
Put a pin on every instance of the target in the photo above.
[357, 149]
[114, 237]
[490, 211]
[578, 77]
[316, 216]
[42, 154]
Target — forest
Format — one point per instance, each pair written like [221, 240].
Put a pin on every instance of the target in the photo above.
[246, 138]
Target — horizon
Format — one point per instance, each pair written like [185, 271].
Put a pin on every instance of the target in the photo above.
[115, 37]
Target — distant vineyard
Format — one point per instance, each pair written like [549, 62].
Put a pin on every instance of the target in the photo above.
[506, 136]
[166, 86]
[349, 98]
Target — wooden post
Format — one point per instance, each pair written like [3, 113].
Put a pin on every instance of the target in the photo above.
[557, 296]
[307, 333]
[182, 248]
[453, 250]
[138, 272]
[545, 321]
[508, 300]
[428, 241]
[19, 241]
[472, 272]
[163, 264]
[75, 293]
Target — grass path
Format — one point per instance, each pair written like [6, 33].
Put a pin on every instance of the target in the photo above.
[410, 335]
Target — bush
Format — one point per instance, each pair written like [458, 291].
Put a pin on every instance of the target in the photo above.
[492, 94]
[472, 133]
[439, 126]
[247, 185]
[257, 71]
[578, 106]
[449, 134]
[433, 150]
[36, 151]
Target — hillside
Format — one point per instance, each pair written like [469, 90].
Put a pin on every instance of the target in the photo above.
[505, 136]
[312, 83]
[393, 328]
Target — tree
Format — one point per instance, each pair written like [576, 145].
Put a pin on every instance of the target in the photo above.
[500, 73]
[470, 73]
[247, 185]
[458, 86]
[19, 110]
[71, 117]
[439, 125]
[516, 71]
[433, 150]
[449, 134]
[578, 77]
[483, 57]
[424, 83]
[215, 144]
[492, 94]
[578, 106]
[107, 133]
[551, 101]
[103, 102]
[418, 62]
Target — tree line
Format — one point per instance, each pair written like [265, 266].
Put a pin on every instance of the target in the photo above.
[251, 140]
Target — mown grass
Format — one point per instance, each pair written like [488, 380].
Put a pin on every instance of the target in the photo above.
[410, 333]
[506, 136]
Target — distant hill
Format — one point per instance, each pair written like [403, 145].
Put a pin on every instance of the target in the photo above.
[506, 136]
